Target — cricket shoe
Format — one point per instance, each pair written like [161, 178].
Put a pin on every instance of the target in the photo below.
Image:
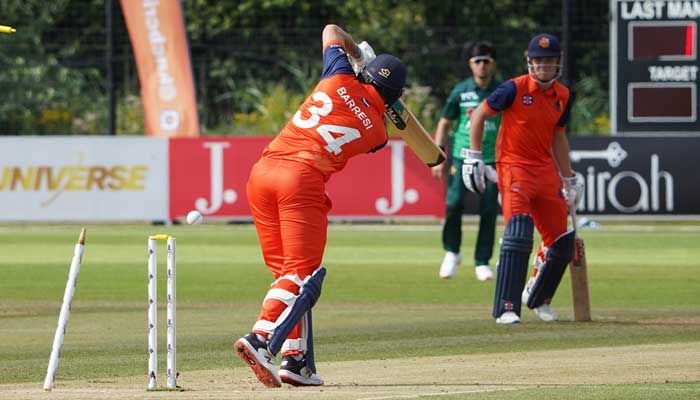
[449, 265]
[255, 354]
[294, 371]
[483, 273]
[546, 313]
[508, 318]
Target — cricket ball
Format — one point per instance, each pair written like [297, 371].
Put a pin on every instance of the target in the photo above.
[194, 217]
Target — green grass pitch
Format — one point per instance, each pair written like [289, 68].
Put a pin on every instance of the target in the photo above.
[382, 299]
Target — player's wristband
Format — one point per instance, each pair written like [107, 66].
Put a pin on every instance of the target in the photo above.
[474, 154]
[571, 180]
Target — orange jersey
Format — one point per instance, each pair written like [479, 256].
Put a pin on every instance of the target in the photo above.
[339, 120]
[529, 118]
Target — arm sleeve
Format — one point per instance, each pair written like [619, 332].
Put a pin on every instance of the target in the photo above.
[335, 61]
[451, 109]
[566, 114]
[502, 97]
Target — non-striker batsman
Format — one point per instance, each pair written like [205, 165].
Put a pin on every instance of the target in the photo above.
[534, 178]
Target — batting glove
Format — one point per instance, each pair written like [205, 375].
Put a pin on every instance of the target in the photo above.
[474, 171]
[366, 55]
[572, 190]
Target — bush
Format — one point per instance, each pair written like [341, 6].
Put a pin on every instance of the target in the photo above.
[590, 115]
[272, 106]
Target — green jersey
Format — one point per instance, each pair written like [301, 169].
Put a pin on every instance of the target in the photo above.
[465, 98]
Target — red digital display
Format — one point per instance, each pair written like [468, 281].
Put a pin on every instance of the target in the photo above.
[671, 103]
[662, 41]
[689, 40]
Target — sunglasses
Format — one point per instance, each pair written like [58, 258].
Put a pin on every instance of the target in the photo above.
[481, 59]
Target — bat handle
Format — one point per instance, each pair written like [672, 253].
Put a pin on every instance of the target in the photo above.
[572, 213]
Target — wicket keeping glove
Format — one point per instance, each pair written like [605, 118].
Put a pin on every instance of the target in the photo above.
[572, 190]
[474, 171]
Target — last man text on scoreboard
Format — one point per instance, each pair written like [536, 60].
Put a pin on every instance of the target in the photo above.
[654, 67]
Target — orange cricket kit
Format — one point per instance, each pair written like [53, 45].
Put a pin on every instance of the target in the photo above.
[533, 113]
[341, 118]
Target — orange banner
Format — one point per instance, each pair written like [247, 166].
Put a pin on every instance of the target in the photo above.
[157, 33]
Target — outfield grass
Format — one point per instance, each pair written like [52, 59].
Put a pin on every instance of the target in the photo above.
[381, 299]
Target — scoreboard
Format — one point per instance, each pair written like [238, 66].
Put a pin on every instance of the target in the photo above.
[654, 67]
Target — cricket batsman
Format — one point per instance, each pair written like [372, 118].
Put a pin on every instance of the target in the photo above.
[535, 179]
[342, 118]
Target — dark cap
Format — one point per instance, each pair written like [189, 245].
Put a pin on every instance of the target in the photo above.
[544, 45]
[387, 71]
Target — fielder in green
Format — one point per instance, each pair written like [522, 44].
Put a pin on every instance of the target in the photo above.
[464, 98]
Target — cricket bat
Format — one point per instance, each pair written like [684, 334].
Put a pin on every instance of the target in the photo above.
[413, 133]
[579, 277]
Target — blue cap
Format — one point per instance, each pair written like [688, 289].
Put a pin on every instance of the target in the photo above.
[544, 45]
[387, 71]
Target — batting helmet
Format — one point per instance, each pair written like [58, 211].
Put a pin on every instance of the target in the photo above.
[388, 74]
[543, 45]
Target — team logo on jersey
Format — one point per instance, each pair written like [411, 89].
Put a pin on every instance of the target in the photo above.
[468, 96]
[557, 105]
[364, 101]
[544, 42]
[385, 72]
[527, 99]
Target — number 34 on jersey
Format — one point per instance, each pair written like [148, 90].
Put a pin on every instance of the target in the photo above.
[334, 143]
